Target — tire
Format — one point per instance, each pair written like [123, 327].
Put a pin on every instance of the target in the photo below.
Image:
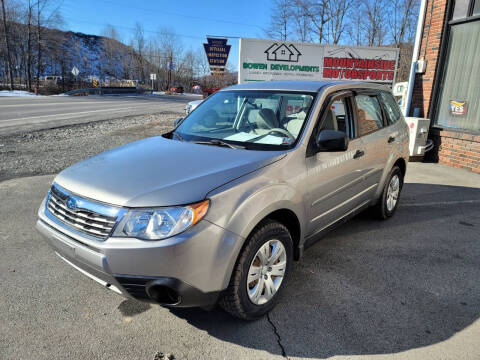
[241, 299]
[385, 209]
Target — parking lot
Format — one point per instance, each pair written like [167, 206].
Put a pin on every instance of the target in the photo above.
[407, 287]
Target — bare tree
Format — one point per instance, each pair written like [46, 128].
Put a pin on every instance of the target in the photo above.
[317, 12]
[354, 28]
[47, 14]
[7, 44]
[139, 47]
[171, 49]
[375, 21]
[28, 70]
[302, 23]
[112, 51]
[402, 19]
[337, 12]
[280, 19]
[202, 66]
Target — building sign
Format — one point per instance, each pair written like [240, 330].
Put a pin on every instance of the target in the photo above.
[217, 52]
[458, 107]
[267, 60]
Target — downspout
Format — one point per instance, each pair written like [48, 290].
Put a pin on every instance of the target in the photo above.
[416, 51]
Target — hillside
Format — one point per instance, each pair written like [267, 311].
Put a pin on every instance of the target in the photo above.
[92, 55]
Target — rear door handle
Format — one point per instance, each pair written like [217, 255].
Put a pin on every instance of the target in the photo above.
[391, 139]
[358, 154]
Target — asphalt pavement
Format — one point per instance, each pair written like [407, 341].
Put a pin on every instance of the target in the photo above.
[406, 288]
[20, 114]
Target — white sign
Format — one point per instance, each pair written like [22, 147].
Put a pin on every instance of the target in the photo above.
[153, 76]
[75, 71]
[268, 60]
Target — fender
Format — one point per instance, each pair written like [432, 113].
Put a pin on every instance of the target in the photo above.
[400, 152]
[240, 205]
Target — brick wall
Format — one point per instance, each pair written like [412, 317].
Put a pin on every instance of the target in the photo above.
[429, 51]
[457, 149]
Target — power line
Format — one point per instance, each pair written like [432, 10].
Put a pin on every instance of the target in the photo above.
[183, 15]
[131, 28]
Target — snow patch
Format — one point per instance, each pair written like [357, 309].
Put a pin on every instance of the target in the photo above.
[16, 93]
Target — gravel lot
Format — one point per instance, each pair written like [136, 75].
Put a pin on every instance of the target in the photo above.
[48, 151]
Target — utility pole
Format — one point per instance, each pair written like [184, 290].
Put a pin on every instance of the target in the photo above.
[39, 48]
[169, 74]
[5, 32]
[29, 47]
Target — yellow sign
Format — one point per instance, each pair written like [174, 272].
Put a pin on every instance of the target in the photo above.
[458, 107]
[95, 82]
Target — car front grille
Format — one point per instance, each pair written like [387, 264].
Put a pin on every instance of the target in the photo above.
[76, 213]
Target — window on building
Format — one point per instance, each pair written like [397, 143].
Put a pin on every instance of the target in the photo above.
[459, 101]
[369, 114]
[460, 11]
[476, 8]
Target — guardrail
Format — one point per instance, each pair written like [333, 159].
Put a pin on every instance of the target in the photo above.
[108, 90]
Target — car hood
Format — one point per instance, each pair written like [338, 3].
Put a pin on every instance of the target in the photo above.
[160, 172]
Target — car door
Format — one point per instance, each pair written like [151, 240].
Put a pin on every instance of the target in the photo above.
[375, 135]
[335, 179]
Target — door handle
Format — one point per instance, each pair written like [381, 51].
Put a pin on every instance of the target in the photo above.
[358, 154]
[391, 139]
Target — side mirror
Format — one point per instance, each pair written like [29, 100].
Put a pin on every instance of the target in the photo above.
[178, 121]
[332, 140]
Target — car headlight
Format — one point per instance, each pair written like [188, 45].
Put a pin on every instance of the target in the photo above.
[160, 223]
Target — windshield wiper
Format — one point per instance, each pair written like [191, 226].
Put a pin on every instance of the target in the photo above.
[218, 142]
[178, 136]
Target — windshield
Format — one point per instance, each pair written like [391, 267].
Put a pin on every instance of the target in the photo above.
[250, 119]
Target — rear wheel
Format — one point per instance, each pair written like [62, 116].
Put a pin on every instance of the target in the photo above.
[261, 272]
[388, 202]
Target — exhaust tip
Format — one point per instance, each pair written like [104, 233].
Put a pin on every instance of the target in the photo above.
[163, 295]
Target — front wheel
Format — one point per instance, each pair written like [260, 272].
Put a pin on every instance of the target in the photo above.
[388, 202]
[261, 272]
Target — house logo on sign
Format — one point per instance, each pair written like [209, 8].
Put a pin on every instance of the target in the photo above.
[282, 52]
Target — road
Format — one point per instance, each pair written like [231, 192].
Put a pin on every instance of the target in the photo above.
[19, 114]
[406, 288]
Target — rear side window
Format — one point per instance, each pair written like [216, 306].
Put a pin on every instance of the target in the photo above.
[391, 108]
[369, 114]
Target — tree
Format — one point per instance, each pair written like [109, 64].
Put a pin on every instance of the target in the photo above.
[375, 21]
[28, 70]
[302, 24]
[337, 11]
[280, 19]
[317, 12]
[139, 47]
[402, 19]
[111, 52]
[354, 28]
[171, 49]
[47, 15]
[7, 44]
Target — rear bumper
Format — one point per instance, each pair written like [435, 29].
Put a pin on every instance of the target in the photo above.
[190, 269]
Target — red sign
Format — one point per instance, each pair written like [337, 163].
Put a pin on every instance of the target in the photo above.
[360, 69]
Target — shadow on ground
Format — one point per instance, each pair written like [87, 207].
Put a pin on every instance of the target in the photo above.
[130, 307]
[377, 287]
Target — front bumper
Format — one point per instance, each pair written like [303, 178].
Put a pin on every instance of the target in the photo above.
[195, 265]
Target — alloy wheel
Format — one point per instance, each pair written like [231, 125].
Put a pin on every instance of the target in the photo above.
[393, 192]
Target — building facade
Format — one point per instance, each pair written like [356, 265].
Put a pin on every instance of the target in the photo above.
[447, 89]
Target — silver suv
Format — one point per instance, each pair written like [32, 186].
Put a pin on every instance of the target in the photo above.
[217, 210]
